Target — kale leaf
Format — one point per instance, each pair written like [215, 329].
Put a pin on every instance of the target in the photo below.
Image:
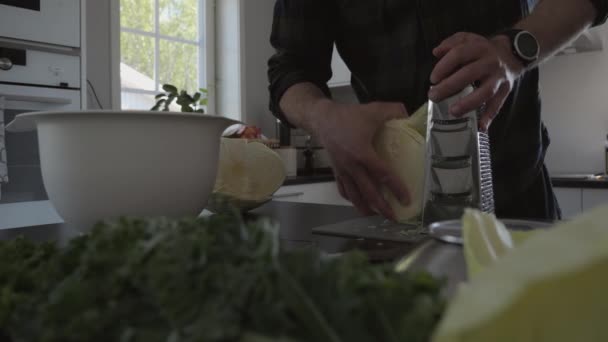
[206, 279]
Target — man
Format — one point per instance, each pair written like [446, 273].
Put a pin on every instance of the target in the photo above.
[395, 50]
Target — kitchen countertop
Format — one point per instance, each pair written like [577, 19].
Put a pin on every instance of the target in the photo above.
[318, 176]
[296, 221]
[580, 182]
[315, 178]
[558, 181]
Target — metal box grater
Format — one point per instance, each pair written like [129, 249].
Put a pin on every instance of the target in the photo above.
[458, 164]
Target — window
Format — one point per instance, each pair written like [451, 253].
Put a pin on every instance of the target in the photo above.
[162, 41]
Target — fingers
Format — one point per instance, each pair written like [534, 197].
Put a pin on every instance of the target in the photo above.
[360, 173]
[456, 58]
[468, 74]
[352, 193]
[385, 177]
[450, 43]
[493, 106]
[477, 98]
[371, 192]
[465, 59]
[362, 184]
[385, 111]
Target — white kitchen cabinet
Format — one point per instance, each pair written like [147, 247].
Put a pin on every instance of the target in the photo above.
[574, 201]
[341, 73]
[570, 201]
[319, 193]
[593, 198]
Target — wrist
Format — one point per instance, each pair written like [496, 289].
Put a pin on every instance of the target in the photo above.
[320, 113]
[504, 45]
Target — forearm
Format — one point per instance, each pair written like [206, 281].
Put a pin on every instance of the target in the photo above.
[555, 23]
[304, 105]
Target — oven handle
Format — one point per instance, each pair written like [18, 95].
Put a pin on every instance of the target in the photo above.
[38, 99]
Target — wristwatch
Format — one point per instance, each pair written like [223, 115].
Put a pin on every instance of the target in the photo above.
[524, 45]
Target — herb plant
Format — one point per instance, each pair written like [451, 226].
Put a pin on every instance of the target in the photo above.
[189, 103]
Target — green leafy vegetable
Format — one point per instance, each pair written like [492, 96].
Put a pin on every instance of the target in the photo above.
[214, 279]
[188, 103]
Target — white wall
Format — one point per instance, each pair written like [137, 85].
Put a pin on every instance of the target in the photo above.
[99, 52]
[574, 90]
[242, 51]
[228, 49]
[257, 50]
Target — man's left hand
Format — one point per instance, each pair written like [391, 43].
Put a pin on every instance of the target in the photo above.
[467, 58]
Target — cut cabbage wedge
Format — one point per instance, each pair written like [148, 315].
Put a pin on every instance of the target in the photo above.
[552, 287]
[401, 144]
[419, 120]
[486, 239]
[248, 171]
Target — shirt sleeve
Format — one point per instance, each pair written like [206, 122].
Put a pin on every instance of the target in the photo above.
[602, 11]
[303, 37]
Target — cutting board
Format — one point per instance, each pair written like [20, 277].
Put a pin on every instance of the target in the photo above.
[374, 228]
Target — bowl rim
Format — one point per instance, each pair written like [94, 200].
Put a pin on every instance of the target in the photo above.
[120, 112]
[28, 121]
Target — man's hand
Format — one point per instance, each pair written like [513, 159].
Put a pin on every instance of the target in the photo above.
[467, 58]
[347, 133]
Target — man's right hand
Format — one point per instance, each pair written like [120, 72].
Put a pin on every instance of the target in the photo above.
[347, 133]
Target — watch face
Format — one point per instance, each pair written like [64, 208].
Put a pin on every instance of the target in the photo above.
[527, 46]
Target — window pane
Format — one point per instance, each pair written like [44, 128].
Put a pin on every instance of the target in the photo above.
[179, 65]
[179, 18]
[137, 101]
[137, 61]
[137, 14]
[132, 100]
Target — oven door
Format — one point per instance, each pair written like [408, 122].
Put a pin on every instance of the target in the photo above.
[45, 21]
[23, 199]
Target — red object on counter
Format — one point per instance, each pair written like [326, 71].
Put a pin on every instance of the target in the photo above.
[251, 132]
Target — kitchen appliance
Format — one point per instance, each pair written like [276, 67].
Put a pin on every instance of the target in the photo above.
[24, 200]
[3, 163]
[289, 156]
[321, 162]
[43, 21]
[33, 77]
[458, 165]
[283, 133]
[30, 65]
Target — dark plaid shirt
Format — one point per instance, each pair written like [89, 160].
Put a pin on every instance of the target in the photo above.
[387, 46]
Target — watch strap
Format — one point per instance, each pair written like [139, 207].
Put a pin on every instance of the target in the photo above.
[512, 34]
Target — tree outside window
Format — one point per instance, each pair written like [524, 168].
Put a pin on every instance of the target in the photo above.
[161, 42]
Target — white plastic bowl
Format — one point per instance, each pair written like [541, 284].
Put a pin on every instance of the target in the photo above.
[100, 165]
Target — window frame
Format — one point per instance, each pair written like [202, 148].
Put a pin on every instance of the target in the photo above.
[205, 43]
